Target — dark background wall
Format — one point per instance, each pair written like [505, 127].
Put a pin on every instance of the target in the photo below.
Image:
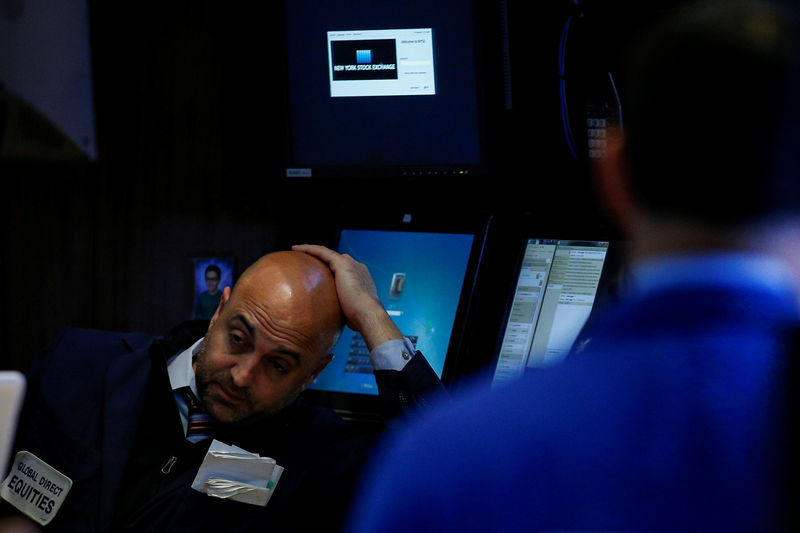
[189, 140]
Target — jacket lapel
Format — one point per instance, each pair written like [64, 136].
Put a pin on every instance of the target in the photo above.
[126, 382]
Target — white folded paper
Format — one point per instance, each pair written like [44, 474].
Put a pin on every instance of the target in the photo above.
[234, 473]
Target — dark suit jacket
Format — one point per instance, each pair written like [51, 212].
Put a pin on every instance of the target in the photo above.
[84, 417]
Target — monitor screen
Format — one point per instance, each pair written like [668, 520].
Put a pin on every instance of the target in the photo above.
[421, 279]
[556, 283]
[381, 88]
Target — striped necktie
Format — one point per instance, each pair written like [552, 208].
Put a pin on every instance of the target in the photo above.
[199, 423]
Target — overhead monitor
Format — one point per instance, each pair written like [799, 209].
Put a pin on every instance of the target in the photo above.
[424, 279]
[46, 81]
[555, 286]
[382, 89]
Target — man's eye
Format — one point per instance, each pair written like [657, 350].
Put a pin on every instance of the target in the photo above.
[280, 367]
[236, 339]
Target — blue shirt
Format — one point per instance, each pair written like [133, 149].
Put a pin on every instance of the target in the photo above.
[668, 421]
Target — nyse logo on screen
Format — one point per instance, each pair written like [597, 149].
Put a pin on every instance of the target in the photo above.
[374, 59]
[363, 56]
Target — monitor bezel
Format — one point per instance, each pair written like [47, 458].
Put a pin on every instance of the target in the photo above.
[578, 229]
[488, 87]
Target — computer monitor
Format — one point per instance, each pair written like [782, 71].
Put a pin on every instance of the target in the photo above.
[12, 391]
[382, 89]
[555, 286]
[424, 275]
[46, 95]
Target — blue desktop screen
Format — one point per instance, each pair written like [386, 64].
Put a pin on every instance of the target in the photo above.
[419, 278]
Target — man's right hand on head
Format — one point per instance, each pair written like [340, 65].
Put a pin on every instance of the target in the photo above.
[358, 296]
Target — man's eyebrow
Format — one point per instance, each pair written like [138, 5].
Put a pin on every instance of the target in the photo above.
[249, 327]
[280, 349]
[290, 353]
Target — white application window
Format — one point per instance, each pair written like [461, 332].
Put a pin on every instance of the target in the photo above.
[381, 62]
[525, 309]
[556, 288]
[567, 302]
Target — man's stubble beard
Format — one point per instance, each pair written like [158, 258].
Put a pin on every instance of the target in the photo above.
[204, 377]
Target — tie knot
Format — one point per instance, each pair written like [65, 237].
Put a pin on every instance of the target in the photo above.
[199, 422]
[191, 399]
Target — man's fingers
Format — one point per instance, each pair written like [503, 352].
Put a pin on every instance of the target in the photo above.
[357, 295]
[336, 261]
[353, 279]
[319, 251]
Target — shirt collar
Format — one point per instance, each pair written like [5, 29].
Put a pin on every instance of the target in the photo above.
[179, 368]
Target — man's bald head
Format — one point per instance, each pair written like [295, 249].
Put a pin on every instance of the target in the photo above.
[298, 281]
[269, 338]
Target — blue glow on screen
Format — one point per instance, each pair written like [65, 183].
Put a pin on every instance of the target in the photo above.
[419, 277]
[363, 56]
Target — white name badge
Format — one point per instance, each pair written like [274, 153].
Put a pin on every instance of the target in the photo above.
[35, 488]
[229, 472]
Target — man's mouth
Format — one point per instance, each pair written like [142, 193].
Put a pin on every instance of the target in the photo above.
[228, 396]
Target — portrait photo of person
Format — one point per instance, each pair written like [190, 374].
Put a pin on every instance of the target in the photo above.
[211, 276]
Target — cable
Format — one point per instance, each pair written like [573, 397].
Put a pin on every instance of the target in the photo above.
[616, 96]
[563, 89]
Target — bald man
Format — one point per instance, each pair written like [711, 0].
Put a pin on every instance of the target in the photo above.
[268, 341]
[110, 411]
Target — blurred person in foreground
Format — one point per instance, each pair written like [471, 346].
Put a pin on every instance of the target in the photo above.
[673, 418]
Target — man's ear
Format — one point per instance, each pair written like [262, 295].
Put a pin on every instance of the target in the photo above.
[612, 182]
[316, 371]
[224, 297]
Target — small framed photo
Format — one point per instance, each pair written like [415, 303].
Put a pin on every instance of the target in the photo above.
[211, 276]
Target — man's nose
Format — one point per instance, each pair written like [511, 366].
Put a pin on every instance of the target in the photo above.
[244, 372]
